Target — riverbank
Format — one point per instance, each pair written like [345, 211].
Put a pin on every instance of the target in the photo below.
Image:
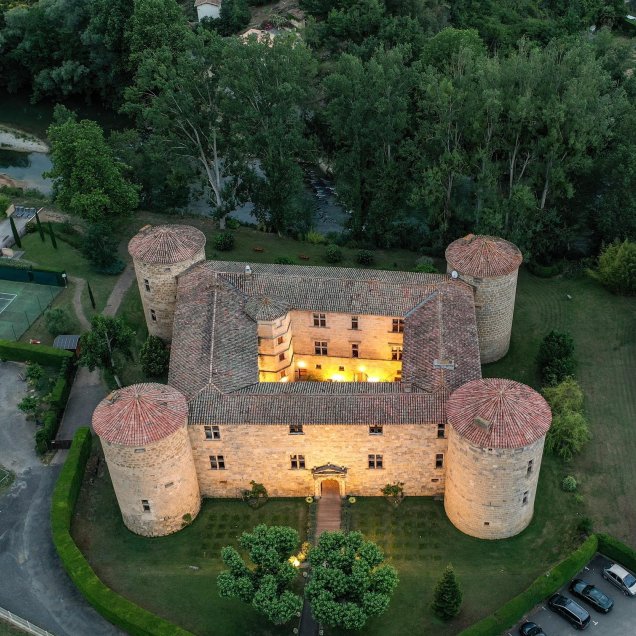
[20, 141]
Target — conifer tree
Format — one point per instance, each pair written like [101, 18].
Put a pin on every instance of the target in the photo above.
[14, 230]
[447, 598]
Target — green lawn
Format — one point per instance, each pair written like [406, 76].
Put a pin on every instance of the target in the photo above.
[604, 329]
[175, 576]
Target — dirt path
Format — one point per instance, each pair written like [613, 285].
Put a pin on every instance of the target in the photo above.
[119, 291]
[80, 284]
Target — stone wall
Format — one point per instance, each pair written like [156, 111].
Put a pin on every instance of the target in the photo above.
[161, 295]
[162, 474]
[263, 453]
[485, 488]
[494, 309]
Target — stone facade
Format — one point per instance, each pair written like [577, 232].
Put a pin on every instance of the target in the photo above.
[490, 492]
[264, 453]
[158, 290]
[156, 484]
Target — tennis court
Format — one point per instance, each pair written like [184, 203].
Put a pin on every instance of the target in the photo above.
[21, 304]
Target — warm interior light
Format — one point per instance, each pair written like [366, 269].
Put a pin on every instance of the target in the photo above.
[302, 364]
[362, 369]
[336, 377]
[284, 379]
[373, 379]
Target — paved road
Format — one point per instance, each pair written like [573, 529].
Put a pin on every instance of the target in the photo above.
[621, 621]
[32, 582]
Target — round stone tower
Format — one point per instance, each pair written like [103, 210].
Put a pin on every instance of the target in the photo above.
[160, 253]
[496, 434]
[143, 429]
[490, 265]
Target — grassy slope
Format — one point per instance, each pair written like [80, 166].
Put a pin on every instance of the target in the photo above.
[604, 330]
[156, 573]
[9, 630]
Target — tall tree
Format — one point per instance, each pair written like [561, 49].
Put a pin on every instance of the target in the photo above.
[367, 116]
[87, 179]
[350, 582]
[265, 585]
[447, 598]
[265, 88]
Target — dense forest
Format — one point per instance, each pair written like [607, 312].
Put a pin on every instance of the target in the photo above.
[507, 117]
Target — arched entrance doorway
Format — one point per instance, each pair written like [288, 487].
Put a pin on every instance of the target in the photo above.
[333, 476]
[329, 487]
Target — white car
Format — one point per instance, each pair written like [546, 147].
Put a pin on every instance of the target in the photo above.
[621, 578]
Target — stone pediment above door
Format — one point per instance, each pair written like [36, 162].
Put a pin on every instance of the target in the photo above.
[329, 469]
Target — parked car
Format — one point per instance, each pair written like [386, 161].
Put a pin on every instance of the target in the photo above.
[625, 581]
[531, 629]
[570, 610]
[591, 595]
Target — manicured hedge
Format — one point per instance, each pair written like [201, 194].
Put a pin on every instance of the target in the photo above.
[21, 352]
[539, 590]
[617, 551]
[130, 617]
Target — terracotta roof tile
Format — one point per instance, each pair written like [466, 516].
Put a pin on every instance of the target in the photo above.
[483, 256]
[509, 414]
[166, 244]
[140, 414]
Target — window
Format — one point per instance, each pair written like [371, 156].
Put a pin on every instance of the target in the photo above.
[153, 315]
[280, 340]
[283, 374]
[145, 504]
[441, 431]
[486, 523]
[319, 366]
[217, 462]
[354, 322]
[397, 325]
[297, 462]
[439, 460]
[525, 497]
[341, 369]
[375, 461]
[355, 350]
[281, 356]
[320, 320]
[212, 432]
[375, 430]
[320, 348]
[295, 429]
[170, 484]
[146, 284]
[530, 467]
[396, 352]
[140, 450]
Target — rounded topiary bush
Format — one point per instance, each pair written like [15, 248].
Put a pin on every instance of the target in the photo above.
[426, 268]
[569, 484]
[333, 254]
[365, 257]
[224, 242]
[617, 267]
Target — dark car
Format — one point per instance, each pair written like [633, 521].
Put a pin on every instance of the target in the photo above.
[570, 610]
[531, 629]
[591, 595]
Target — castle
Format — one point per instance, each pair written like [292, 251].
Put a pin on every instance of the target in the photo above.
[294, 376]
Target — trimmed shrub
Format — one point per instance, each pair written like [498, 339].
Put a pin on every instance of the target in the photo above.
[115, 608]
[224, 242]
[569, 484]
[21, 352]
[365, 257]
[544, 586]
[315, 238]
[447, 598]
[617, 551]
[617, 268]
[333, 254]
[426, 268]
[556, 357]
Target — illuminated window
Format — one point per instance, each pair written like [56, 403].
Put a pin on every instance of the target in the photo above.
[153, 315]
[145, 505]
[146, 284]
[212, 432]
[295, 429]
[375, 461]
[375, 430]
[320, 348]
[441, 431]
[439, 460]
[396, 352]
[217, 462]
[297, 462]
[397, 325]
[320, 320]
[354, 322]
[355, 350]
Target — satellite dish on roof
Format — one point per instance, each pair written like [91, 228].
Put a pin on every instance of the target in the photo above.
[454, 275]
